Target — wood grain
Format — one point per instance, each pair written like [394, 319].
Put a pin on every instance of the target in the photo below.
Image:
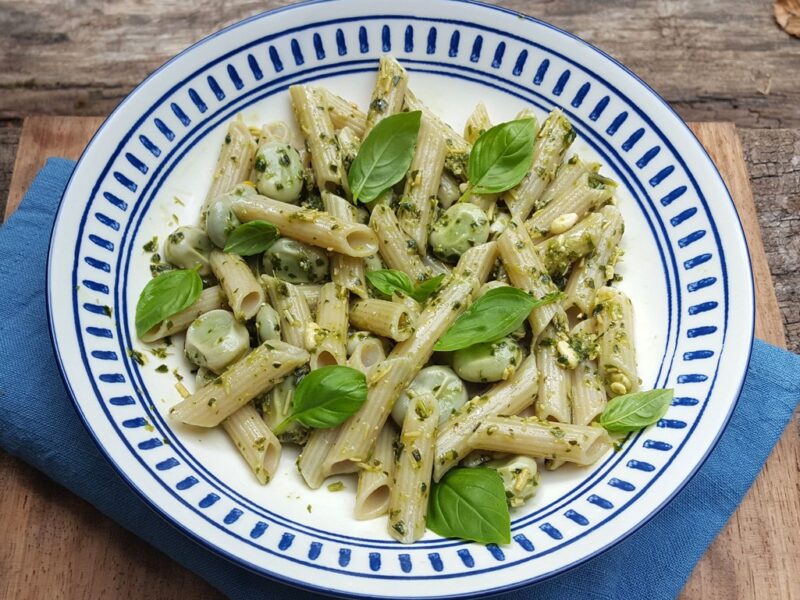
[56, 545]
[723, 60]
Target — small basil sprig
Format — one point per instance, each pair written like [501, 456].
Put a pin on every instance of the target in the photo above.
[326, 397]
[470, 504]
[384, 157]
[632, 412]
[501, 157]
[251, 238]
[391, 281]
[167, 294]
[494, 315]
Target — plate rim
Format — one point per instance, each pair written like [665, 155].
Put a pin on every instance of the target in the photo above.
[307, 585]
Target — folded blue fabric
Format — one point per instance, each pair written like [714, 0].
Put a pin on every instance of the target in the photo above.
[653, 563]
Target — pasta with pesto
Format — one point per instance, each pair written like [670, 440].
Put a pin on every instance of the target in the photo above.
[330, 297]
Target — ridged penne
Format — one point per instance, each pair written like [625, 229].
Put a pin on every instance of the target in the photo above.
[256, 443]
[388, 319]
[245, 295]
[234, 163]
[210, 299]
[397, 249]
[346, 271]
[375, 477]
[245, 379]
[331, 338]
[290, 304]
[308, 225]
[388, 93]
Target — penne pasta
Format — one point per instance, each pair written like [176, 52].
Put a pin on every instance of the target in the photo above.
[256, 443]
[311, 110]
[343, 113]
[245, 295]
[245, 379]
[388, 93]
[577, 444]
[290, 304]
[408, 502]
[397, 250]
[598, 267]
[210, 299]
[346, 271]
[381, 317]
[506, 398]
[234, 164]
[551, 143]
[375, 477]
[526, 271]
[308, 225]
[552, 401]
[415, 210]
[478, 122]
[617, 354]
[330, 348]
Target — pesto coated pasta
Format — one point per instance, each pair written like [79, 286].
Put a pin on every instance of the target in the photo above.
[377, 264]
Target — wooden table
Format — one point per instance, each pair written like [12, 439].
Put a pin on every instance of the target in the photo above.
[82, 58]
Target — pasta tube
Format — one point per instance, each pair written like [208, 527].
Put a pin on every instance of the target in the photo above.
[256, 443]
[290, 304]
[526, 271]
[397, 250]
[245, 295]
[375, 477]
[551, 143]
[388, 93]
[245, 379]
[506, 398]
[617, 353]
[347, 271]
[210, 299]
[577, 444]
[308, 225]
[332, 322]
[234, 163]
[408, 502]
[388, 319]
[415, 211]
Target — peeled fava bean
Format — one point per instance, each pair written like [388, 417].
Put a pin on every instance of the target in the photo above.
[440, 381]
[520, 476]
[295, 262]
[188, 248]
[488, 361]
[220, 218]
[216, 339]
[280, 172]
[461, 227]
[268, 324]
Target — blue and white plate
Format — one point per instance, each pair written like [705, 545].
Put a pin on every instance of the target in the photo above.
[686, 267]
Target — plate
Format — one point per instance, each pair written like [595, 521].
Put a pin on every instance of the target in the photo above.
[686, 268]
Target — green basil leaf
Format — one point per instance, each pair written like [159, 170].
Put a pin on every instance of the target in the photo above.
[424, 290]
[251, 238]
[167, 294]
[384, 157]
[632, 412]
[326, 397]
[470, 504]
[501, 157]
[390, 281]
[494, 315]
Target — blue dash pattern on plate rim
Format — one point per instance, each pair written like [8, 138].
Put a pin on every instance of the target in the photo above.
[621, 132]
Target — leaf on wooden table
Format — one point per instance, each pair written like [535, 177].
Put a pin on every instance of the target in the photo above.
[787, 14]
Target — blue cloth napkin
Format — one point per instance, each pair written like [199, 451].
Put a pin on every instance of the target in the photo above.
[653, 563]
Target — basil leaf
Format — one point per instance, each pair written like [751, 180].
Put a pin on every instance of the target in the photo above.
[424, 290]
[326, 397]
[632, 412]
[384, 157]
[501, 157]
[167, 294]
[470, 504]
[251, 238]
[390, 281]
[495, 314]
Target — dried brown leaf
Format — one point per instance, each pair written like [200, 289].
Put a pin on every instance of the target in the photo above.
[787, 14]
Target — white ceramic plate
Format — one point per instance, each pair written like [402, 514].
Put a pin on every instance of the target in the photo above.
[686, 268]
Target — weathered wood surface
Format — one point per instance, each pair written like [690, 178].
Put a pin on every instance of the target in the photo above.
[54, 541]
[711, 59]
